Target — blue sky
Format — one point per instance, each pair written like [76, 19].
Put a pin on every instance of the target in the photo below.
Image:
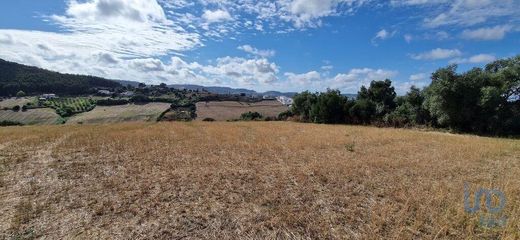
[286, 45]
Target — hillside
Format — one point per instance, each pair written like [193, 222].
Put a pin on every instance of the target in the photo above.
[261, 180]
[16, 77]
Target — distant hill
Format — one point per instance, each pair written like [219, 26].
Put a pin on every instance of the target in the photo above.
[228, 90]
[16, 77]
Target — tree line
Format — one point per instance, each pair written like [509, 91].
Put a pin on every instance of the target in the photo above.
[481, 100]
[16, 77]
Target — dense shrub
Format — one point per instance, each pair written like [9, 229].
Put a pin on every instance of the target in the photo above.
[9, 123]
[251, 116]
[140, 98]
[283, 116]
[112, 102]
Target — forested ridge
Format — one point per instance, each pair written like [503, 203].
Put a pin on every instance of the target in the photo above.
[16, 77]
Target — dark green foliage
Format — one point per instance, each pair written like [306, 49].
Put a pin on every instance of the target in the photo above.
[362, 112]
[140, 98]
[66, 107]
[382, 95]
[285, 115]
[302, 104]
[329, 108]
[16, 108]
[20, 94]
[112, 102]
[32, 80]
[481, 101]
[9, 123]
[251, 116]
[409, 111]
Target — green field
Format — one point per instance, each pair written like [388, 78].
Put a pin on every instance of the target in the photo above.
[70, 106]
[39, 116]
[122, 113]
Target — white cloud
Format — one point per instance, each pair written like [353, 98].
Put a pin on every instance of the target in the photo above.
[357, 77]
[492, 33]
[437, 54]
[303, 79]
[216, 16]
[480, 58]
[257, 52]
[419, 77]
[382, 35]
[348, 82]
[472, 12]
[327, 67]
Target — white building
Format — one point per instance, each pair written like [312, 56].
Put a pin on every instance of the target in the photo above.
[49, 96]
[285, 100]
[104, 92]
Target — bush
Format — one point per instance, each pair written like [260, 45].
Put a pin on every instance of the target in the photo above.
[283, 116]
[208, 120]
[251, 116]
[20, 94]
[16, 108]
[10, 123]
[140, 99]
[112, 102]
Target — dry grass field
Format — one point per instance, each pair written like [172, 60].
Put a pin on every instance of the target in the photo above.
[11, 102]
[118, 114]
[40, 116]
[226, 110]
[249, 180]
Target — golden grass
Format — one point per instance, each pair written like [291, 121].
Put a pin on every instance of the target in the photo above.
[11, 102]
[227, 110]
[249, 181]
[122, 113]
[38, 116]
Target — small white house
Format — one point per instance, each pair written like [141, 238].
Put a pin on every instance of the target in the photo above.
[127, 94]
[104, 92]
[49, 96]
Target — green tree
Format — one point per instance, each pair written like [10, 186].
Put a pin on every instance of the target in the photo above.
[302, 104]
[329, 108]
[20, 94]
[382, 94]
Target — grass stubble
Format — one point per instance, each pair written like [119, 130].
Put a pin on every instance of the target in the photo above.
[261, 180]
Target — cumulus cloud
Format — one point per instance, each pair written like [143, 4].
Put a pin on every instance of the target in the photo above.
[257, 52]
[304, 79]
[419, 77]
[480, 58]
[437, 54]
[491, 33]
[348, 82]
[216, 16]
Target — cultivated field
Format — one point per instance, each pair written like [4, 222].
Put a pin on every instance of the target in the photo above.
[123, 113]
[222, 111]
[249, 180]
[11, 102]
[31, 117]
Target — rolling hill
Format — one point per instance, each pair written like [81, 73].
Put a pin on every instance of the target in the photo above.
[16, 77]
